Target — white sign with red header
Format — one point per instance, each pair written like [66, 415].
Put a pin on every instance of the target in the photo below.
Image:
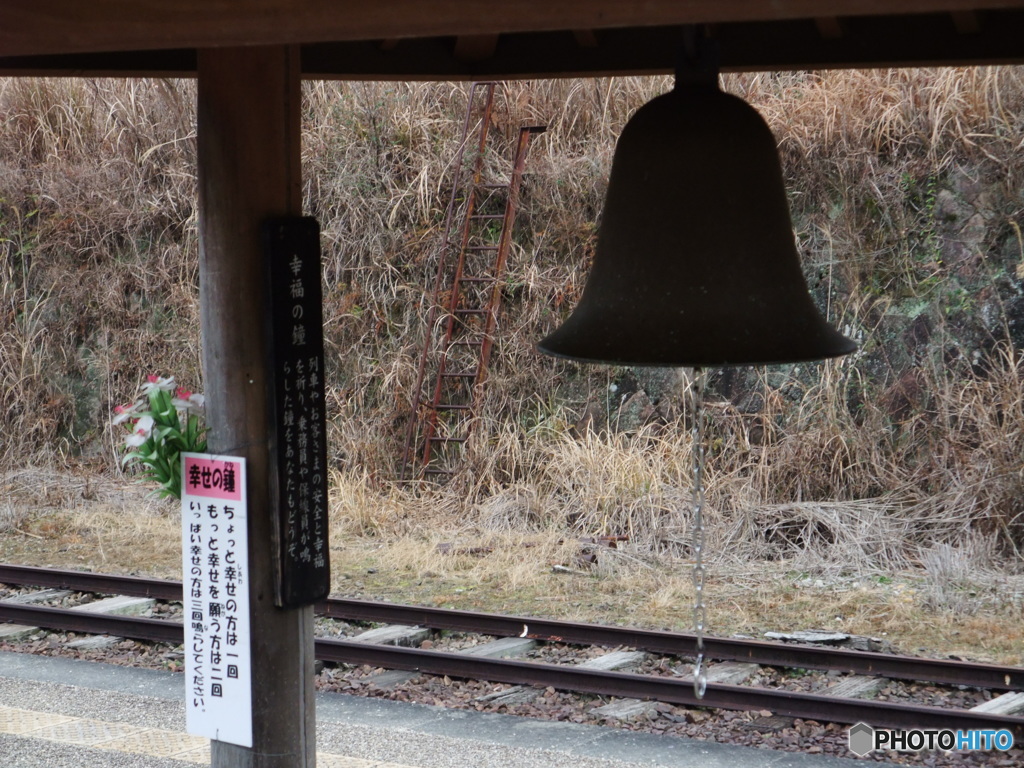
[215, 594]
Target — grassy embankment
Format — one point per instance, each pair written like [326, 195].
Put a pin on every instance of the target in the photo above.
[882, 493]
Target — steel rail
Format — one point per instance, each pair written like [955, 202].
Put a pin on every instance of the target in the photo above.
[135, 627]
[666, 689]
[580, 680]
[948, 672]
[84, 581]
[991, 676]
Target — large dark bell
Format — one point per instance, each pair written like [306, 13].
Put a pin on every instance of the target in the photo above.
[696, 263]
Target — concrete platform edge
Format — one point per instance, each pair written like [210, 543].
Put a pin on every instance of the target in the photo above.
[586, 741]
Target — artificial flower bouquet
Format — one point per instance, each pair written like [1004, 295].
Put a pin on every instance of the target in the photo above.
[163, 422]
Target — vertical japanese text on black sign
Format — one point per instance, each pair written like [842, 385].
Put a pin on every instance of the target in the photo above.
[300, 453]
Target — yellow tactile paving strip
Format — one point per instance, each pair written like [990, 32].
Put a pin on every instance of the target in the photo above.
[119, 737]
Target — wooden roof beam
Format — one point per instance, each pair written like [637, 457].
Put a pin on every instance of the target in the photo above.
[929, 40]
[829, 27]
[33, 27]
[475, 47]
[585, 38]
[966, 22]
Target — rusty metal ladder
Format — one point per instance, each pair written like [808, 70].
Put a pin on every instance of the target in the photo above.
[466, 297]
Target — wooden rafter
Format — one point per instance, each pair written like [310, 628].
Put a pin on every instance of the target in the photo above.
[828, 43]
[475, 47]
[829, 27]
[33, 27]
[966, 22]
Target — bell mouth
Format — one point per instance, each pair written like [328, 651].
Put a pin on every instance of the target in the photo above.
[704, 340]
[696, 262]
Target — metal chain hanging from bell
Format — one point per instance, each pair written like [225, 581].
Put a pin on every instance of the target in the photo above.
[696, 262]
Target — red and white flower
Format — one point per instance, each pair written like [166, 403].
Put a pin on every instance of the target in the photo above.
[154, 382]
[190, 402]
[143, 428]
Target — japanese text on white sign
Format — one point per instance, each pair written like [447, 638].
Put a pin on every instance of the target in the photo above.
[215, 569]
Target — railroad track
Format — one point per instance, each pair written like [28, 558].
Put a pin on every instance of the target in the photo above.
[665, 656]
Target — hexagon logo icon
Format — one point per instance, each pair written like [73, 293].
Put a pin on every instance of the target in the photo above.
[862, 739]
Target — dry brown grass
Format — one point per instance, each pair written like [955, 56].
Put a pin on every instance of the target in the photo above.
[955, 604]
[883, 464]
[98, 280]
[95, 523]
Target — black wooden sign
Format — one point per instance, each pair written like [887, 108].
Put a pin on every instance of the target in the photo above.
[299, 438]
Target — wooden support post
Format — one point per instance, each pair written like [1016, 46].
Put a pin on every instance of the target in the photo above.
[249, 169]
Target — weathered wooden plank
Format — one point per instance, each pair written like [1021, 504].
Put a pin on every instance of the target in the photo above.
[94, 643]
[503, 648]
[616, 660]
[856, 687]
[1010, 703]
[249, 169]
[39, 596]
[809, 636]
[726, 673]
[390, 678]
[731, 672]
[394, 634]
[517, 694]
[29, 27]
[12, 633]
[625, 709]
[121, 605]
